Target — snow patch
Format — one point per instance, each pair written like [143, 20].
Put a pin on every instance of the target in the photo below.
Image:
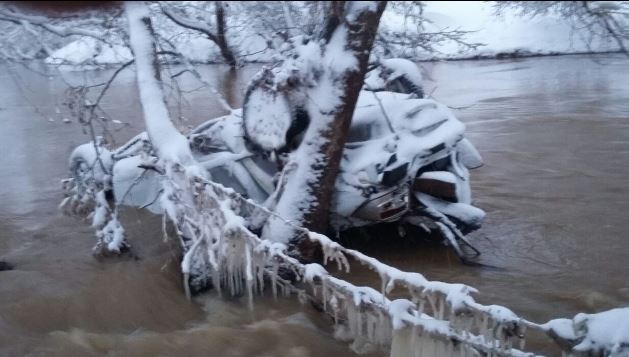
[88, 50]
[267, 117]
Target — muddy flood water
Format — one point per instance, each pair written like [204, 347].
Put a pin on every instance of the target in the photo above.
[554, 134]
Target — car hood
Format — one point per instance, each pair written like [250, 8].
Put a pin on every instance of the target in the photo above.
[411, 128]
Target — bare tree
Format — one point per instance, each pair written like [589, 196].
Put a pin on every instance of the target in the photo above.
[322, 77]
[361, 28]
[218, 34]
[598, 19]
[414, 39]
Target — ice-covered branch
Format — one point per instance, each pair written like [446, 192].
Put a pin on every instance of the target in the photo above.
[437, 315]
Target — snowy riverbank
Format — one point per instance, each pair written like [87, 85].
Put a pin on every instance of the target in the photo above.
[503, 36]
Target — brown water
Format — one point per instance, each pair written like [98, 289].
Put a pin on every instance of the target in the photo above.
[554, 133]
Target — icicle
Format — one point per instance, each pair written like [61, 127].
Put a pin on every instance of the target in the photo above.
[440, 307]
[484, 328]
[164, 228]
[523, 339]
[64, 203]
[324, 293]
[274, 280]
[369, 327]
[249, 276]
[216, 280]
[422, 303]
[359, 324]
[186, 285]
[433, 306]
[414, 336]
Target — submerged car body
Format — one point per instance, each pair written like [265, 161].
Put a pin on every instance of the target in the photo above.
[405, 160]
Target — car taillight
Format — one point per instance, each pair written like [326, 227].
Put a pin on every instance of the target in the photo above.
[392, 212]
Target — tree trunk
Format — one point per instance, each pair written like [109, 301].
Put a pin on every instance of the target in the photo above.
[349, 35]
[360, 37]
[221, 39]
[170, 144]
[218, 36]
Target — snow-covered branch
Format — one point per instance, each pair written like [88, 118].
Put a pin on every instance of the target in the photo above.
[435, 315]
[167, 140]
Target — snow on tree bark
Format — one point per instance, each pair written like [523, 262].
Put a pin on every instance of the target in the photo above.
[348, 38]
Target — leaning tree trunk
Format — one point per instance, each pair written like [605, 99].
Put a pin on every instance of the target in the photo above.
[360, 37]
[171, 146]
[221, 39]
[218, 35]
[349, 35]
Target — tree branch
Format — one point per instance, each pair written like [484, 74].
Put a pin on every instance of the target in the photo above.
[44, 23]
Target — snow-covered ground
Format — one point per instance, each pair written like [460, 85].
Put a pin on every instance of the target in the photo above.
[505, 34]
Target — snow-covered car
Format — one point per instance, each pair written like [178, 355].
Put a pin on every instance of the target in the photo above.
[406, 160]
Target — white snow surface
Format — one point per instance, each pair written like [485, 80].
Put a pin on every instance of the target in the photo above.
[607, 330]
[564, 328]
[356, 8]
[89, 154]
[418, 124]
[88, 50]
[469, 155]
[267, 118]
[403, 67]
[595, 333]
[462, 211]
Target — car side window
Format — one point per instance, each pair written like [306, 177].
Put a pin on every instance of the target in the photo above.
[358, 133]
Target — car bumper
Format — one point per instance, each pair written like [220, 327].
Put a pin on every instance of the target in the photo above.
[390, 205]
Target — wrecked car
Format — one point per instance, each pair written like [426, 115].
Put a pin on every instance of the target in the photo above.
[406, 161]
